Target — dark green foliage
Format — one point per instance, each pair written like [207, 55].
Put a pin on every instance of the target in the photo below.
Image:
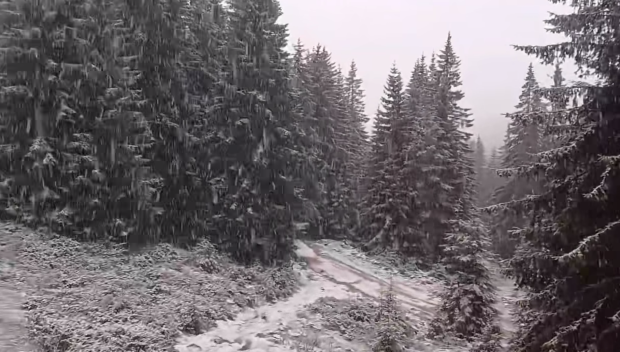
[386, 212]
[73, 161]
[140, 122]
[334, 143]
[466, 309]
[356, 117]
[521, 144]
[569, 263]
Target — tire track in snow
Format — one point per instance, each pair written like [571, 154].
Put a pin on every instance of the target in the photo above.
[370, 285]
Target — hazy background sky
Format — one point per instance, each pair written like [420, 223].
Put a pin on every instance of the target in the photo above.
[378, 33]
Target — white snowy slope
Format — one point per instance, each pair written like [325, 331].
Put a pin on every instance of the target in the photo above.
[334, 270]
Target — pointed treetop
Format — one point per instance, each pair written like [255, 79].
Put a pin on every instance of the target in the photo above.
[299, 48]
[394, 70]
[394, 84]
[530, 99]
[530, 78]
[448, 47]
[353, 66]
[530, 69]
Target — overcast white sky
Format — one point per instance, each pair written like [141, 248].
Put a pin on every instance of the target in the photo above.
[378, 33]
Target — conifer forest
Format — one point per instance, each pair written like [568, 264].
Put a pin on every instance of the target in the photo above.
[175, 175]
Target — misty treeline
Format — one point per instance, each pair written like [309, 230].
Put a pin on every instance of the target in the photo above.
[148, 121]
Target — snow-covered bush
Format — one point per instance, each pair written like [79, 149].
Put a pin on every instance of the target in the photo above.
[490, 341]
[388, 337]
[466, 308]
[365, 321]
[90, 297]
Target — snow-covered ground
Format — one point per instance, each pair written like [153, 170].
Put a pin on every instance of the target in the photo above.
[507, 296]
[334, 270]
[13, 335]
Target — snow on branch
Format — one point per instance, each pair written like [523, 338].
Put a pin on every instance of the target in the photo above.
[517, 205]
[588, 242]
[600, 191]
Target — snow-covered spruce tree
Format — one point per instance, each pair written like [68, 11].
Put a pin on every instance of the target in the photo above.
[257, 205]
[452, 119]
[385, 214]
[76, 132]
[426, 159]
[571, 266]
[356, 116]
[434, 194]
[304, 106]
[180, 44]
[189, 214]
[348, 152]
[466, 309]
[326, 89]
[29, 163]
[521, 144]
[414, 160]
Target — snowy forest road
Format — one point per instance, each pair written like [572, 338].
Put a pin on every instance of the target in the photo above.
[334, 270]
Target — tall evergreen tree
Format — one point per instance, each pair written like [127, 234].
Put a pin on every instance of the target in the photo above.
[309, 139]
[571, 266]
[71, 107]
[326, 87]
[415, 174]
[466, 309]
[356, 116]
[346, 143]
[451, 161]
[259, 200]
[521, 144]
[147, 121]
[384, 211]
